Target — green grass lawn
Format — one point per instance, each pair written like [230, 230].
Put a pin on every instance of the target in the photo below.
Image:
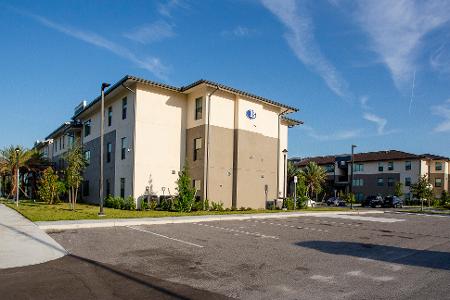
[39, 211]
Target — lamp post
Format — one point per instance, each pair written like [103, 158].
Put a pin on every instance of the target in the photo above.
[284, 173]
[17, 174]
[295, 192]
[104, 86]
[351, 176]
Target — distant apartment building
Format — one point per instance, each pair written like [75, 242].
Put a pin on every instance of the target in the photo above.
[231, 140]
[376, 173]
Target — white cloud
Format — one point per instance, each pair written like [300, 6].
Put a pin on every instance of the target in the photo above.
[152, 64]
[379, 122]
[442, 110]
[300, 37]
[440, 59]
[333, 136]
[363, 100]
[397, 29]
[239, 32]
[150, 33]
[165, 9]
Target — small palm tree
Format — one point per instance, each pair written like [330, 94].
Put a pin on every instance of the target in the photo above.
[13, 158]
[314, 177]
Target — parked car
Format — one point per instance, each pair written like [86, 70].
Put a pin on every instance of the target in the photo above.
[372, 201]
[392, 201]
[335, 201]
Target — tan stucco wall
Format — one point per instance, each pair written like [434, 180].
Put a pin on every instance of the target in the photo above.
[160, 139]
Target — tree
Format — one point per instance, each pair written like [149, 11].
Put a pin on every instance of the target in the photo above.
[76, 163]
[314, 177]
[26, 160]
[186, 192]
[445, 198]
[398, 189]
[50, 186]
[291, 171]
[422, 189]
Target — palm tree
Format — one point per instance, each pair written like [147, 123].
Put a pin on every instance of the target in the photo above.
[314, 177]
[292, 170]
[27, 160]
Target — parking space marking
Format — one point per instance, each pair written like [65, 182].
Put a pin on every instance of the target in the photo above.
[292, 226]
[236, 232]
[164, 236]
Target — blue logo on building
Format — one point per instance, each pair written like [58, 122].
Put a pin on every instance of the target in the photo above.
[251, 114]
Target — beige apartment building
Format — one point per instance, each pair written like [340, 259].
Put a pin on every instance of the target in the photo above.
[231, 140]
[376, 173]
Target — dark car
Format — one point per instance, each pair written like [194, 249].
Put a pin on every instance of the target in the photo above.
[392, 201]
[372, 201]
[335, 201]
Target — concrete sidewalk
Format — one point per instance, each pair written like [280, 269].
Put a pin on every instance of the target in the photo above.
[79, 224]
[22, 243]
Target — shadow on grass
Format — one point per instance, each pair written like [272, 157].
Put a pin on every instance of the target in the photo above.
[404, 256]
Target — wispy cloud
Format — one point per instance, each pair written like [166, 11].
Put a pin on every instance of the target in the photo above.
[440, 58]
[149, 33]
[165, 9]
[239, 32]
[152, 64]
[332, 136]
[363, 100]
[397, 29]
[300, 37]
[442, 110]
[379, 122]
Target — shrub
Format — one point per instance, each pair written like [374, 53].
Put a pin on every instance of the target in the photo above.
[50, 187]
[242, 208]
[165, 204]
[217, 206]
[153, 204]
[144, 204]
[129, 203]
[114, 202]
[289, 203]
[186, 192]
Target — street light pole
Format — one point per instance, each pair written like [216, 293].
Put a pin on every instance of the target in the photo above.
[284, 173]
[351, 176]
[18, 176]
[104, 86]
[295, 192]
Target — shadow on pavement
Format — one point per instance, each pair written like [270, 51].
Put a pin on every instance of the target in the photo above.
[405, 256]
[76, 277]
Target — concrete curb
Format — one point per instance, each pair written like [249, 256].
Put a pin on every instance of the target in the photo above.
[81, 224]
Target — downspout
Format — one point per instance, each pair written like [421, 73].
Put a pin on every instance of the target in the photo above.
[207, 146]
[278, 152]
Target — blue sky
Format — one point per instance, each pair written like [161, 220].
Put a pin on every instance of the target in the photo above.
[371, 73]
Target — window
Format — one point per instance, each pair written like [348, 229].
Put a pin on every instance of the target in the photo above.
[358, 182]
[198, 108]
[380, 181]
[60, 144]
[391, 181]
[122, 187]
[108, 188]
[407, 165]
[70, 140]
[64, 141]
[87, 157]
[87, 128]
[108, 152]
[86, 188]
[196, 184]
[197, 147]
[358, 168]
[390, 165]
[109, 116]
[329, 168]
[407, 181]
[438, 182]
[438, 166]
[124, 146]
[380, 167]
[56, 145]
[359, 197]
[407, 196]
[124, 108]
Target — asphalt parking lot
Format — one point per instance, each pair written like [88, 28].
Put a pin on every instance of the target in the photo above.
[375, 256]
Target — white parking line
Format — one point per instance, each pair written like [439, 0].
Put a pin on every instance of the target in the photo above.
[238, 231]
[166, 237]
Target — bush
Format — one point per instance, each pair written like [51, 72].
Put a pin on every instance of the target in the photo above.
[129, 203]
[114, 202]
[153, 204]
[217, 206]
[165, 203]
[186, 192]
[144, 204]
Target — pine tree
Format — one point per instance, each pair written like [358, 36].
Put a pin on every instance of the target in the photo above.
[186, 191]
